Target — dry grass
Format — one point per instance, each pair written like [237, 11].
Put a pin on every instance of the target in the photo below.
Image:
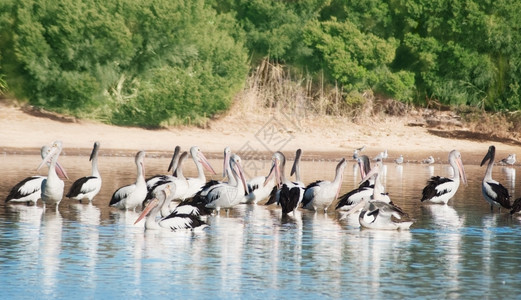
[273, 91]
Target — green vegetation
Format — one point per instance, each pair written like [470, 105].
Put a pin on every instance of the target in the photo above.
[151, 63]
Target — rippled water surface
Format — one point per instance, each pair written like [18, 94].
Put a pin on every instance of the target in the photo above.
[460, 250]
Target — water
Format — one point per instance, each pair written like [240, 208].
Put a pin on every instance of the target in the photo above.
[90, 251]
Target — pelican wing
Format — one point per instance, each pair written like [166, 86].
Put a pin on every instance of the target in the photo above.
[502, 196]
[436, 187]
[25, 188]
[121, 194]
[82, 186]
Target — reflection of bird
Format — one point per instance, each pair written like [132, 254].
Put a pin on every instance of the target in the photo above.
[399, 160]
[131, 196]
[510, 160]
[29, 190]
[493, 192]
[88, 186]
[429, 160]
[441, 189]
[320, 194]
[52, 186]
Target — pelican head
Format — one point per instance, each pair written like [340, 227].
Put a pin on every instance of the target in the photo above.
[277, 162]
[455, 158]
[199, 156]
[489, 156]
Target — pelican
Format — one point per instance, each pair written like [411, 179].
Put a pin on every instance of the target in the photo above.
[131, 196]
[227, 195]
[493, 192]
[52, 186]
[320, 194]
[441, 189]
[429, 160]
[259, 188]
[88, 186]
[364, 191]
[399, 160]
[377, 213]
[280, 194]
[183, 217]
[509, 160]
[29, 190]
[174, 162]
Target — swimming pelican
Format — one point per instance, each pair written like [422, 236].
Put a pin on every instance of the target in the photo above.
[510, 160]
[226, 195]
[377, 213]
[88, 186]
[52, 186]
[29, 190]
[320, 194]
[495, 193]
[131, 196]
[429, 160]
[174, 162]
[182, 217]
[399, 160]
[442, 189]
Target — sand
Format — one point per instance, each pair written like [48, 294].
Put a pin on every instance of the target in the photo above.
[24, 130]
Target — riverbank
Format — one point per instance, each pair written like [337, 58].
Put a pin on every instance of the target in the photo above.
[23, 130]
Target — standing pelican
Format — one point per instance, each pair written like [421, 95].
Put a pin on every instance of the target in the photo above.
[441, 189]
[495, 193]
[29, 190]
[131, 196]
[52, 186]
[286, 193]
[182, 217]
[509, 160]
[88, 186]
[320, 194]
[226, 195]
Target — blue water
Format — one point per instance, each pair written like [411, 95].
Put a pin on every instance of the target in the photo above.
[89, 251]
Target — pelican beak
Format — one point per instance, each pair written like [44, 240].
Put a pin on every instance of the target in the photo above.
[241, 175]
[61, 171]
[272, 172]
[226, 162]
[373, 171]
[461, 170]
[339, 186]
[175, 159]
[296, 162]
[153, 203]
[205, 162]
[490, 154]
[48, 157]
[361, 166]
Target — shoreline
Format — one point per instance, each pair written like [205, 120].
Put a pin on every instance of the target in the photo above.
[255, 136]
